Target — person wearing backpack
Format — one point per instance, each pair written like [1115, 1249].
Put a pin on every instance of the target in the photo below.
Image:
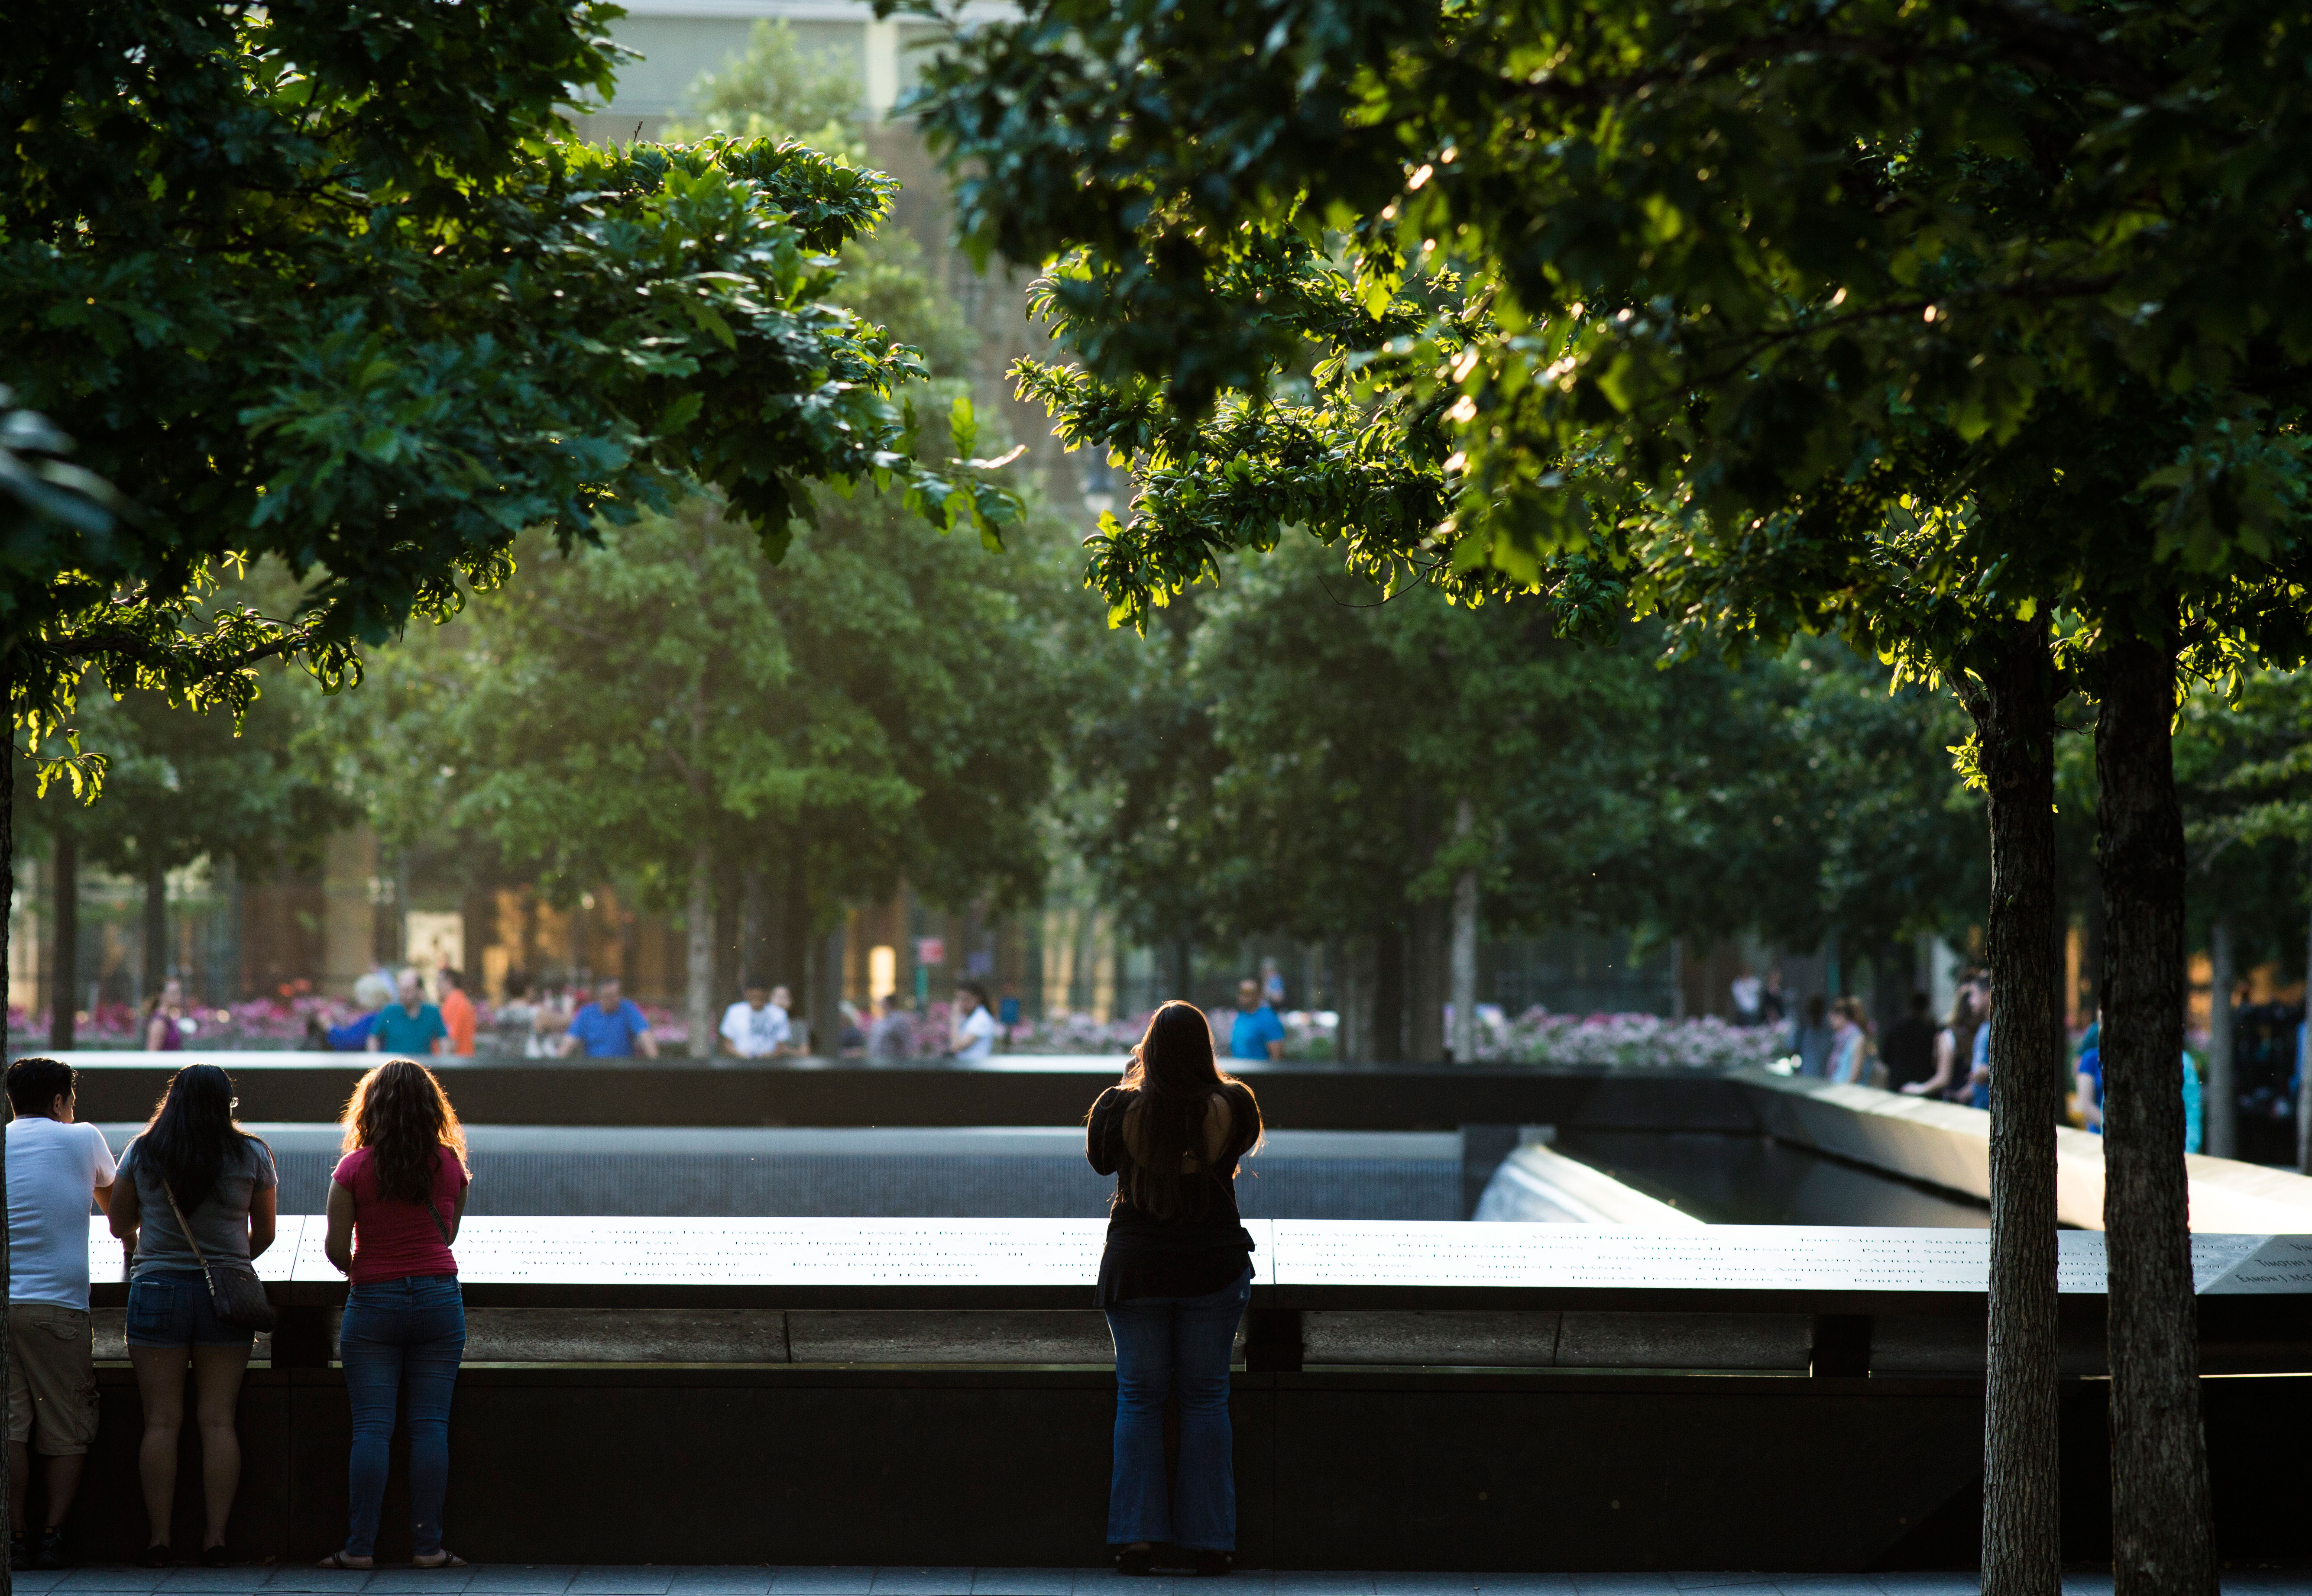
[394, 1203]
[195, 1199]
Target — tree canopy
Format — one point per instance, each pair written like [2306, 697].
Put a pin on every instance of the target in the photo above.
[328, 284]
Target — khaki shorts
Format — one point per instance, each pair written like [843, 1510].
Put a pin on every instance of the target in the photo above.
[52, 1375]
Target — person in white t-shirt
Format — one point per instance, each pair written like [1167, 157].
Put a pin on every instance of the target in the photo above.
[54, 1165]
[974, 1027]
[755, 1027]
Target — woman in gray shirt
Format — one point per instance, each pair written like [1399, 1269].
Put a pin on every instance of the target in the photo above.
[222, 1181]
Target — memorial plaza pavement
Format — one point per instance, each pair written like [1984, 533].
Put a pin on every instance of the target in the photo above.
[686, 1581]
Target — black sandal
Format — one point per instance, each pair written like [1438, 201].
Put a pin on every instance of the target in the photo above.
[215, 1557]
[1215, 1565]
[157, 1556]
[1135, 1565]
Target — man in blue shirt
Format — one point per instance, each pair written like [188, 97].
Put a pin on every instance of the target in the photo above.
[609, 1027]
[1257, 1034]
[409, 1028]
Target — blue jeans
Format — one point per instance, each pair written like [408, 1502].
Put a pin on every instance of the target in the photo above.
[401, 1333]
[1176, 1345]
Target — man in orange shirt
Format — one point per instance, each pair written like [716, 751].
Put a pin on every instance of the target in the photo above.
[458, 1015]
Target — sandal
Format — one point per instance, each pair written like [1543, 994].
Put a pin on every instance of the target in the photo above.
[215, 1557]
[1134, 1564]
[450, 1559]
[157, 1556]
[339, 1560]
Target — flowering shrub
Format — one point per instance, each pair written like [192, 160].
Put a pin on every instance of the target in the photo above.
[1625, 1039]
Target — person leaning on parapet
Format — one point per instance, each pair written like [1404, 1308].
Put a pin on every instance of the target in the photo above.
[609, 1027]
[1810, 1038]
[53, 1167]
[1908, 1046]
[411, 1025]
[459, 1018]
[1256, 1035]
[1174, 1279]
[395, 1200]
[191, 1170]
[974, 1037]
[754, 1027]
[893, 1039]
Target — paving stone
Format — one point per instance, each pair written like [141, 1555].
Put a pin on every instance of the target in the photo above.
[1704, 1580]
[1294, 1582]
[609, 1579]
[520, 1579]
[822, 1581]
[923, 1582]
[1022, 1582]
[118, 1578]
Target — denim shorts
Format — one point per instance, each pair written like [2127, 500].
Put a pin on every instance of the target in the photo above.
[172, 1308]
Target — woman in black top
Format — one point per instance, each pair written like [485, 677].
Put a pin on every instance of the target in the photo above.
[1174, 1280]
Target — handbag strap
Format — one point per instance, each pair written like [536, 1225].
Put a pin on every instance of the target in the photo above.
[185, 1229]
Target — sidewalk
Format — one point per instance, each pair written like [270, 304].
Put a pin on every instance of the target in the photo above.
[669, 1580]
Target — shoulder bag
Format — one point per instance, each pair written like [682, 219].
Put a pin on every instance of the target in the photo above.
[238, 1294]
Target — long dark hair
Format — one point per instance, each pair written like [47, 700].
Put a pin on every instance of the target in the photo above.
[400, 1111]
[191, 1132]
[1175, 1076]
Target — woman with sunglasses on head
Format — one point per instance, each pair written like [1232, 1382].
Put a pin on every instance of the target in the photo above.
[192, 1188]
[1174, 1278]
[394, 1203]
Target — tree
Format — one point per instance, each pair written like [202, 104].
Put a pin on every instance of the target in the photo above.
[179, 788]
[1291, 753]
[324, 283]
[1968, 332]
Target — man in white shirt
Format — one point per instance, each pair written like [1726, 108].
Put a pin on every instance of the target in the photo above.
[54, 1166]
[755, 1027]
[974, 1027]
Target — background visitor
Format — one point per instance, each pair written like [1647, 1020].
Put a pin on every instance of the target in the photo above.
[164, 1031]
[459, 1018]
[1810, 1038]
[54, 1165]
[1850, 1043]
[1174, 1279]
[609, 1027]
[1908, 1048]
[893, 1039]
[395, 1199]
[223, 1184]
[974, 1027]
[754, 1027]
[411, 1025]
[1256, 1033]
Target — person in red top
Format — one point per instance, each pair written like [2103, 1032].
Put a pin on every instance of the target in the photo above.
[458, 1016]
[394, 1203]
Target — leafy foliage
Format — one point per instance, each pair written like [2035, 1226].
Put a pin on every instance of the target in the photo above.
[324, 283]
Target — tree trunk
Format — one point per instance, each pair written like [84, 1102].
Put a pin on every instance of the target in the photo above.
[2221, 1099]
[699, 916]
[2014, 717]
[1352, 996]
[1464, 1041]
[753, 927]
[64, 976]
[156, 927]
[1426, 984]
[2161, 1538]
[827, 993]
[1387, 1035]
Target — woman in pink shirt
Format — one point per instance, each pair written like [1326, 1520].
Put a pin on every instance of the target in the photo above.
[394, 1207]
